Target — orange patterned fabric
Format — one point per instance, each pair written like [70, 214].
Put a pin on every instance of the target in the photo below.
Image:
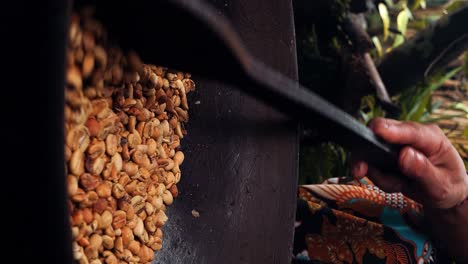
[358, 223]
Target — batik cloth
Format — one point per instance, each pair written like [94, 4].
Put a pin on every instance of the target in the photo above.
[348, 221]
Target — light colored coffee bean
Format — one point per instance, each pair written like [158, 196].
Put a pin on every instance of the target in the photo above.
[111, 259]
[118, 191]
[107, 242]
[130, 168]
[78, 138]
[96, 149]
[117, 162]
[88, 64]
[139, 228]
[110, 232]
[111, 144]
[95, 261]
[118, 244]
[150, 224]
[89, 181]
[123, 132]
[77, 218]
[134, 247]
[104, 190]
[79, 196]
[138, 203]
[157, 245]
[76, 166]
[179, 157]
[95, 241]
[105, 220]
[72, 184]
[95, 166]
[149, 208]
[160, 218]
[74, 78]
[119, 220]
[167, 197]
[77, 251]
[127, 236]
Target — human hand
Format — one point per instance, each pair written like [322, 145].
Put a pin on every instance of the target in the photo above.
[433, 172]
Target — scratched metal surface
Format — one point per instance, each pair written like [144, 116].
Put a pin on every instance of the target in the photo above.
[240, 171]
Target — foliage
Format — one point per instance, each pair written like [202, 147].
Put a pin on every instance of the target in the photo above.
[466, 67]
[389, 30]
[369, 109]
[322, 162]
[389, 24]
[416, 103]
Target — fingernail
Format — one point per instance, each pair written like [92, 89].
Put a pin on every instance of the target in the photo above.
[410, 155]
[419, 156]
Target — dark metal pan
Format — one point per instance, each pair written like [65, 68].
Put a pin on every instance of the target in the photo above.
[206, 44]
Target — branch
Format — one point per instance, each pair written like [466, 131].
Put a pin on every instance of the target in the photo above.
[361, 73]
[426, 53]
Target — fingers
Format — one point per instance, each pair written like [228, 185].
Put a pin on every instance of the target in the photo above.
[389, 183]
[432, 170]
[416, 166]
[359, 169]
[427, 139]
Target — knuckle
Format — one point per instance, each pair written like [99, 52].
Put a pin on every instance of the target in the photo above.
[416, 128]
[413, 124]
[439, 195]
[436, 129]
[443, 148]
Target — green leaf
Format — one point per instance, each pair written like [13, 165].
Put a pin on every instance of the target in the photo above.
[465, 132]
[435, 105]
[418, 24]
[437, 81]
[419, 3]
[461, 107]
[369, 109]
[443, 117]
[415, 102]
[383, 11]
[462, 149]
[402, 24]
[466, 64]
[456, 5]
[417, 112]
[378, 46]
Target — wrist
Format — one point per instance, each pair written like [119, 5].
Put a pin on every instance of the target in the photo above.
[454, 212]
[463, 204]
[448, 230]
